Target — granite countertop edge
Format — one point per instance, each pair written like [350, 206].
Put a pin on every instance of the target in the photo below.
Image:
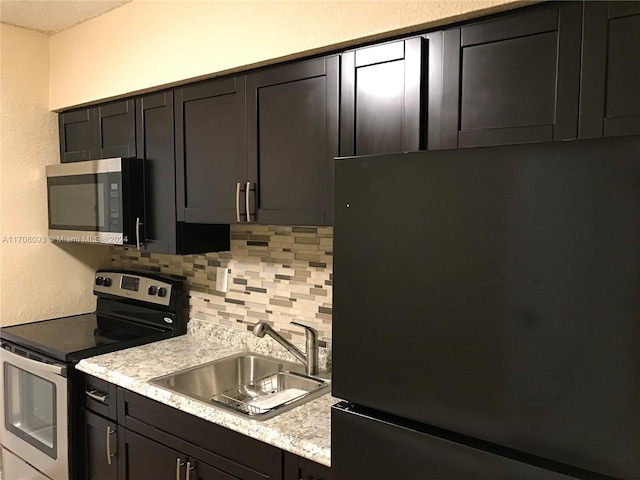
[304, 431]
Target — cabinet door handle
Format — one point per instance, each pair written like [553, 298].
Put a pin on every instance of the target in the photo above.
[97, 396]
[138, 233]
[189, 469]
[179, 465]
[247, 198]
[238, 202]
[109, 454]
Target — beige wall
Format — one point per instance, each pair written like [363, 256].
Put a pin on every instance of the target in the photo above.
[37, 279]
[145, 44]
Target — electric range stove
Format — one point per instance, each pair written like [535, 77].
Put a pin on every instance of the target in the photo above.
[132, 309]
[41, 389]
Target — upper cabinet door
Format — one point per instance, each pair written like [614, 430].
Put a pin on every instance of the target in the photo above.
[513, 79]
[610, 97]
[211, 152]
[76, 130]
[381, 98]
[156, 147]
[116, 129]
[293, 138]
[106, 131]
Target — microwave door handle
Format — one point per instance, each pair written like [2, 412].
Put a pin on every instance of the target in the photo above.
[33, 365]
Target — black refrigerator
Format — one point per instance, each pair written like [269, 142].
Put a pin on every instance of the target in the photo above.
[486, 319]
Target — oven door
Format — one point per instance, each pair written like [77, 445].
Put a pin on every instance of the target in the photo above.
[34, 412]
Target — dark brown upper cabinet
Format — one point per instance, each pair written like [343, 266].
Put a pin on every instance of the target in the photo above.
[116, 129]
[105, 131]
[292, 139]
[211, 151]
[156, 145]
[380, 98]
[512, 79]
[610, 97]
[75, 128]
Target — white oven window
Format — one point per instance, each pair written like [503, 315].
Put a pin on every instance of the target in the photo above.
[30, 408]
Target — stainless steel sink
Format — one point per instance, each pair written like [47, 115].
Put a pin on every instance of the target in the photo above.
[247, 384]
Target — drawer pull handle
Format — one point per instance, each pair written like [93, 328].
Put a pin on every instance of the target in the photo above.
[97, 396]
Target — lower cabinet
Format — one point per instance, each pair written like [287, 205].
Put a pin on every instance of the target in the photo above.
[145, 458]
[192, 440]
[152, 441]
[298, 468]
[101, 447]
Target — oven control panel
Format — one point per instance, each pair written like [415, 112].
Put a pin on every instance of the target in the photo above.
[135, 286]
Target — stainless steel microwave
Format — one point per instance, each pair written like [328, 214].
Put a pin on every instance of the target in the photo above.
[97, 201]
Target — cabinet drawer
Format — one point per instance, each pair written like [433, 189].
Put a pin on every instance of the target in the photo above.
[217, 446]
[99, 396]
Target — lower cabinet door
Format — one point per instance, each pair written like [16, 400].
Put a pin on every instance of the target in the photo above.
[147, 459]
[101, 445]
[298, 468]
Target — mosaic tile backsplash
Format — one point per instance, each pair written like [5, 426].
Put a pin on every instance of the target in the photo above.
[275, 274]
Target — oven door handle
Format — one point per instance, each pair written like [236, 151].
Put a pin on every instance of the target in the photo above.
[31, 365]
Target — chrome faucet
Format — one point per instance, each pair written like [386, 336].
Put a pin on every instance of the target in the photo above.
[310, 358]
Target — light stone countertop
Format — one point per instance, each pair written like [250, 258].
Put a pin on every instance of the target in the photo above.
[304, 430]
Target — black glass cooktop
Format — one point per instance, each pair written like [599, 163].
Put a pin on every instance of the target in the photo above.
[72, 338]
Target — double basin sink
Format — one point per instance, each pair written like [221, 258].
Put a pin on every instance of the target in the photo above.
[247, 384]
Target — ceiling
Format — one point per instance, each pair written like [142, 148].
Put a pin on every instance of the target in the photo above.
[53, 16]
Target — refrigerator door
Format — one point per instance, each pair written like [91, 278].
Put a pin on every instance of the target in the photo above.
[367, 447]
[495, 292]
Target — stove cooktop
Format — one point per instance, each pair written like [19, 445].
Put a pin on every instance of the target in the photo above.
[71, 339]
[130, 312]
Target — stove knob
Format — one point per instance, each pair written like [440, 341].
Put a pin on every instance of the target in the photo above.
[106, 282]
[99, 280]
[152, 290]
[162, 292]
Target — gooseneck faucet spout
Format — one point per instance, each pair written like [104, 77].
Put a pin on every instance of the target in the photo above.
[309, 359]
